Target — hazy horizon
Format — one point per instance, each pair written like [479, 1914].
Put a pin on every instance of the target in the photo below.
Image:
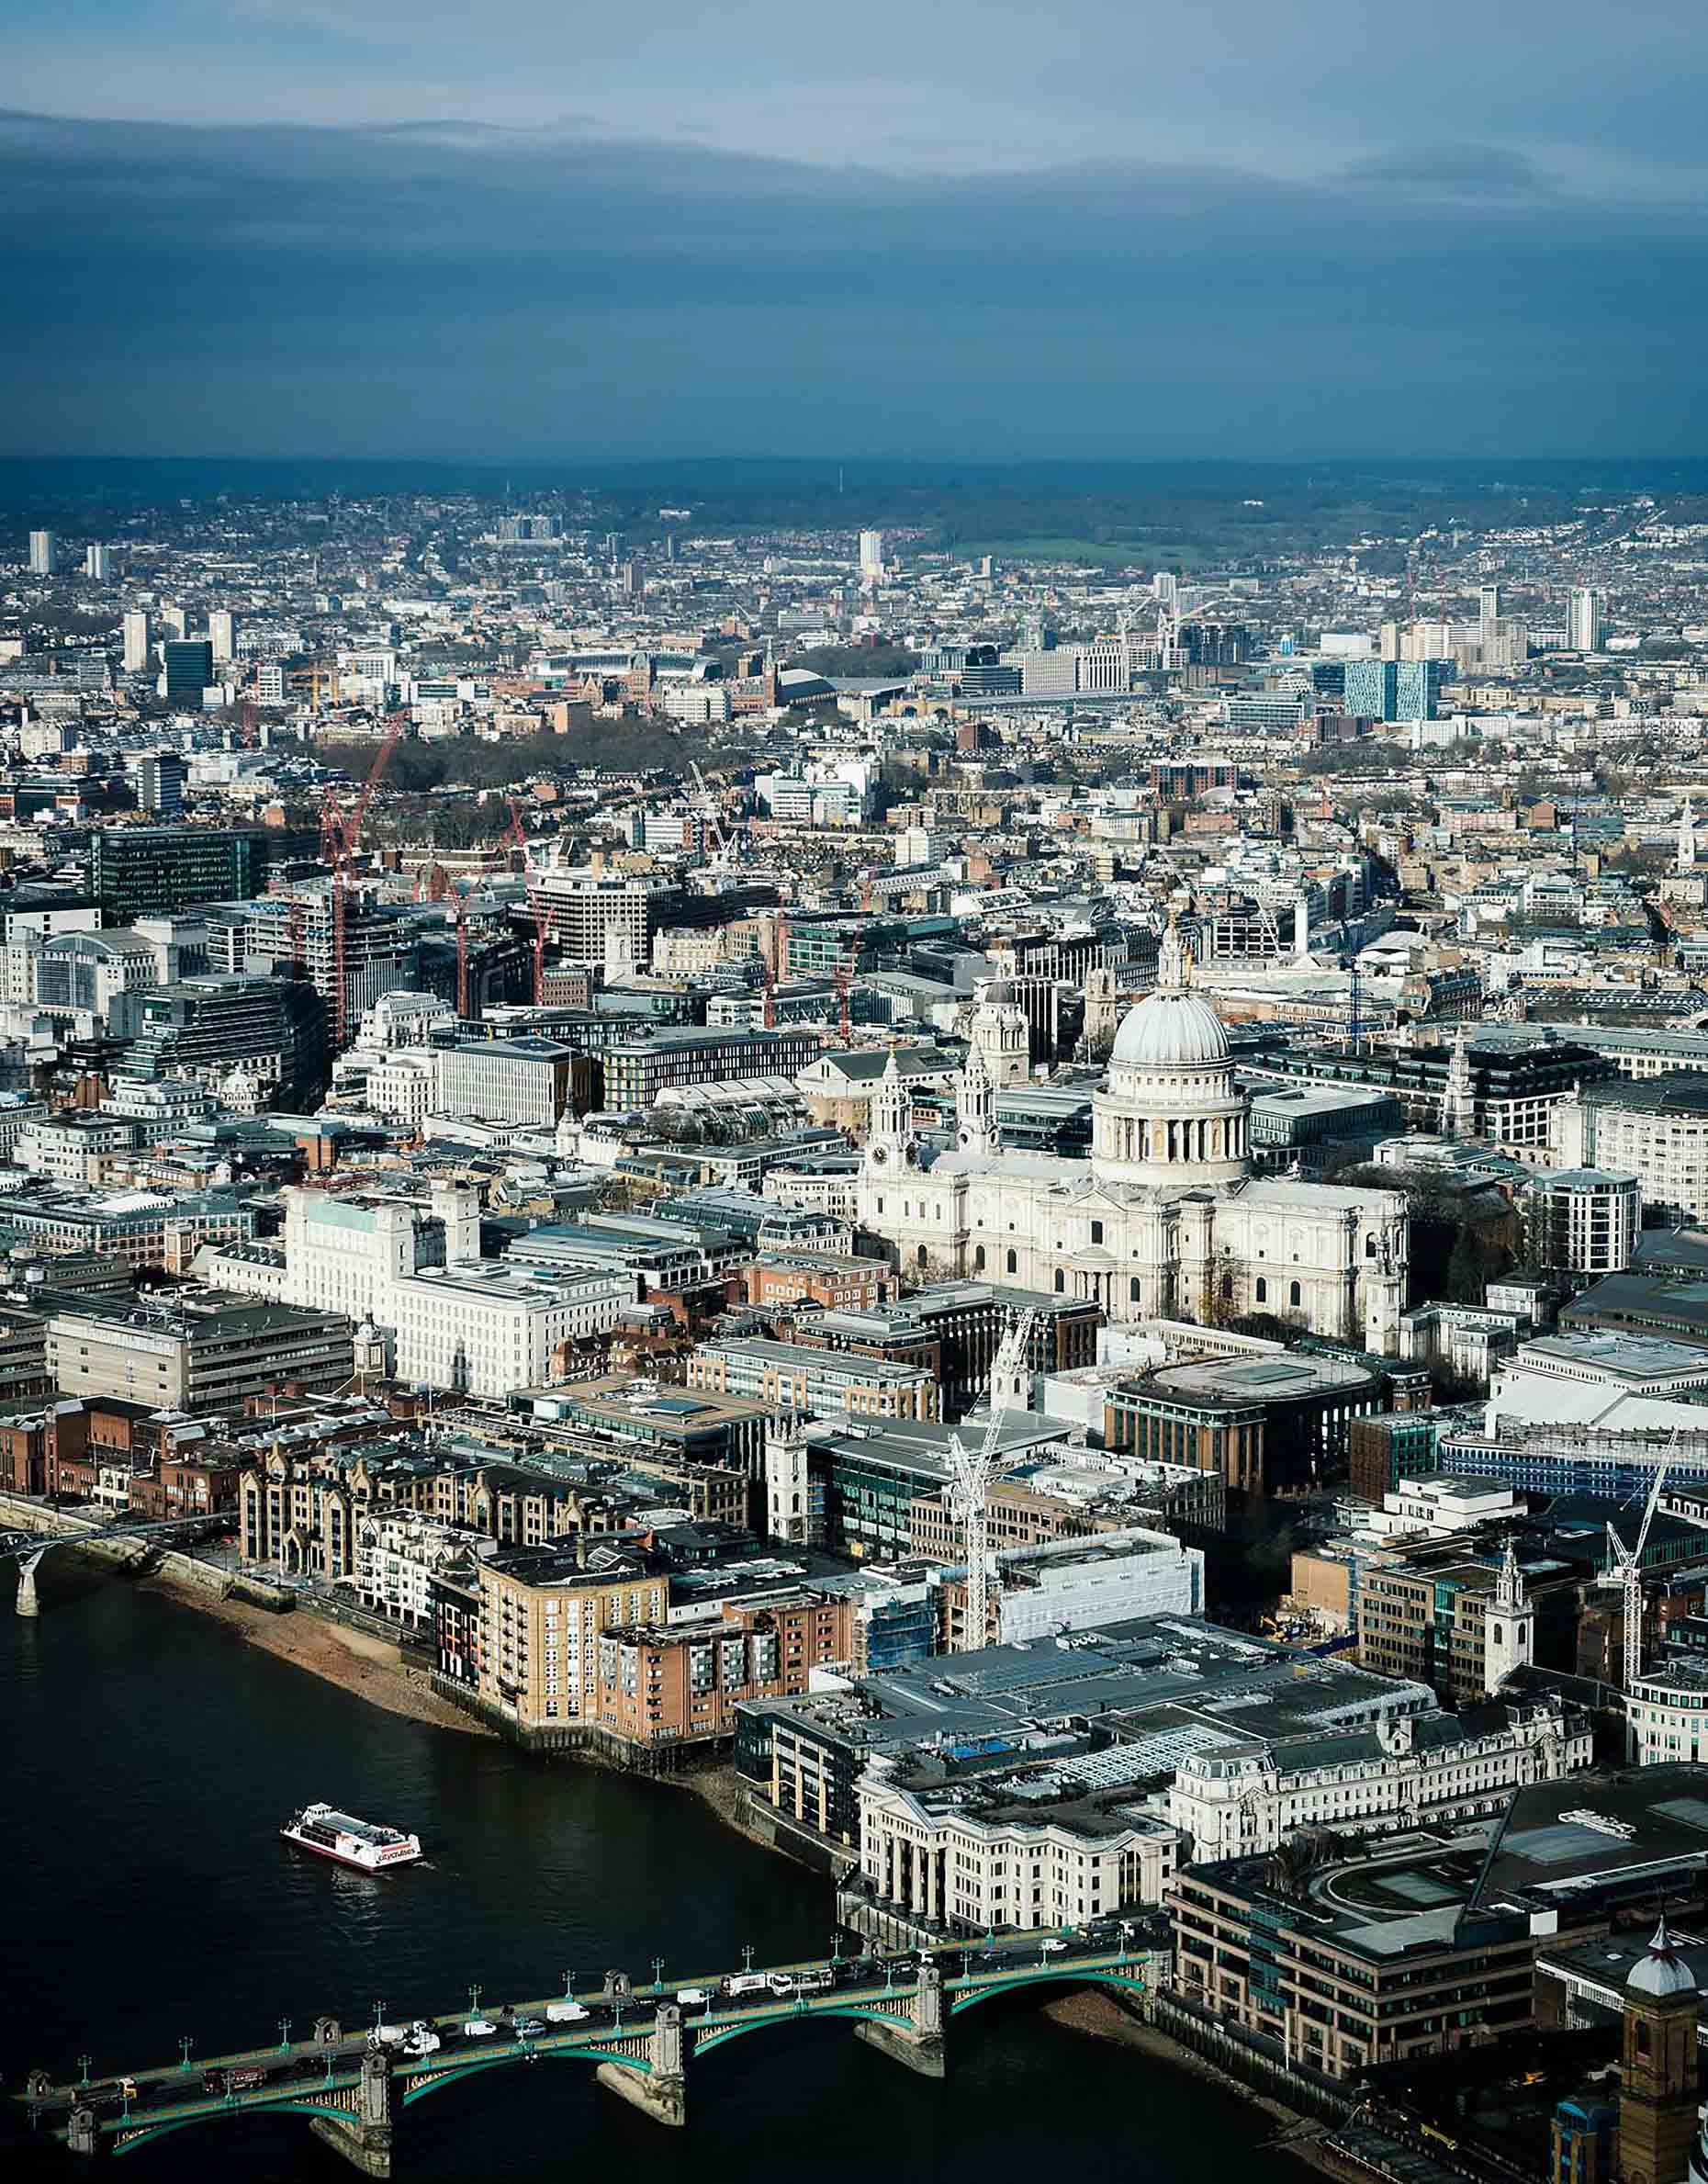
[298, 229]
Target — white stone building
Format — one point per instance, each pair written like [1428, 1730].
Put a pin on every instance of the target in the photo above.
[1164, 1218]
[459, 1322]
[1402, 1774]
[982, 1862]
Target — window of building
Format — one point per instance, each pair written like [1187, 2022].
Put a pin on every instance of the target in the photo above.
[1097, 1232]
[1262, 1290]
[1132, 1290]
[1013, 1263]
[1061, 1281]
[1295, 1294]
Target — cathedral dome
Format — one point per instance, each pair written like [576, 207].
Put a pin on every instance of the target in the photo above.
[1173, 1028]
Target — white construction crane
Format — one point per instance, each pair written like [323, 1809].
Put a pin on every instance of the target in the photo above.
[1626, 1569]
[974, 1471]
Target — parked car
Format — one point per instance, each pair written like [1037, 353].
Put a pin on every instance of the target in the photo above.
[566, 2013]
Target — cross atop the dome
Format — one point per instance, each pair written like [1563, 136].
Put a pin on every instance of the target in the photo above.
[1174, 958]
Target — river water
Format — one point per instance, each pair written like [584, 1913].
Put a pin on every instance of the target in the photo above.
[149, 1756]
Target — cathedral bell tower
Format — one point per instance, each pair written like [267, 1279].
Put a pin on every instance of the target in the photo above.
[976, 1101]
[888, 1141]
[1658, 2074]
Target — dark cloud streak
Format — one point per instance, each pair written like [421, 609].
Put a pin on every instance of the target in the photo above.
[491, 294]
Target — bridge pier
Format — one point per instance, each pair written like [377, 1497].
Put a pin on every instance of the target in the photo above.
[662, 2091]
[364, 2138]
[916, 2041]
[28, 1604]
[83, 2131]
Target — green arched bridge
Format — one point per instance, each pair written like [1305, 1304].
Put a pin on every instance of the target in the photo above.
[355, 2085]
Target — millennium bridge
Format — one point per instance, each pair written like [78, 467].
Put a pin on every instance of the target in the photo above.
[354, 2084]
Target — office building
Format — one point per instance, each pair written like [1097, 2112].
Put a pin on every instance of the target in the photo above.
[1655, 1129]
[189, 665]
[44, 554]
[137, 644]
[455, 1320]
[222, 636]
[160, 779]
[523, 1081]
[870, 556]
[1583, 627]
[97, 564]
[276, 1030]
[1393, 689]
[196, 1350]
[1110, 1715]
[822, 1383]
[155, 871]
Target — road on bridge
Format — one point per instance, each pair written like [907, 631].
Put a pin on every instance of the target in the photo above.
[294, 2071]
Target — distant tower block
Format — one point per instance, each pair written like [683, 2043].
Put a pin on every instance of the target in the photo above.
[1687, 839]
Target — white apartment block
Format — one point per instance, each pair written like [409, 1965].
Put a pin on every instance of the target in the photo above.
[985, 1868]
[1668, 1715]
[1636, 1130]
[398, 1554]
[1406, 1772]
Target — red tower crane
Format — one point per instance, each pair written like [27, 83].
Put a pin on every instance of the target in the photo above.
[541, 922]
[462, 954]
[341, 831]
[850, 963]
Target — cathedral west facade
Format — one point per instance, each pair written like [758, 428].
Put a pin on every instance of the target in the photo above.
[1165, 1219]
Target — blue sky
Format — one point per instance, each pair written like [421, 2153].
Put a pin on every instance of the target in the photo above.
[409, 227]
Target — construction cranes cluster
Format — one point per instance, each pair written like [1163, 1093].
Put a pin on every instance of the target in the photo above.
[974, 1469]
[341, 834]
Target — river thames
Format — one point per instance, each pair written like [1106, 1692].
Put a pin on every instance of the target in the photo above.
[151, 1757]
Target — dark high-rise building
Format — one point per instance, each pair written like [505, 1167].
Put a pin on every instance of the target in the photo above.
[189, 668]
[1392, 689]
[152, 872]
[278, 1027]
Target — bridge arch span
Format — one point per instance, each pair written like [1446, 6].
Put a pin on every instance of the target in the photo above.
[1127, 1983]
[436, 2081]
[142, 2134]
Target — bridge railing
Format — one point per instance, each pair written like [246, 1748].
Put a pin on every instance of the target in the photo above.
[1012, 1960]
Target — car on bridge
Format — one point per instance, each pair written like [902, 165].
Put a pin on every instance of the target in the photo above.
[479, 2028]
